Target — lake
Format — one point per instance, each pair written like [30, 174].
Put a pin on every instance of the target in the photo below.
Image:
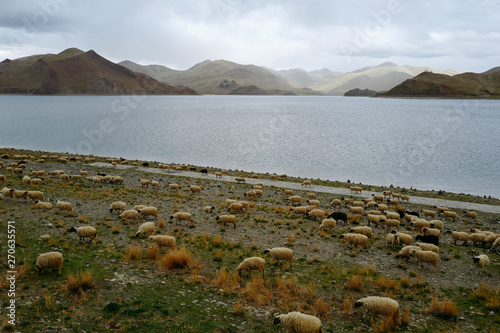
[440, 144]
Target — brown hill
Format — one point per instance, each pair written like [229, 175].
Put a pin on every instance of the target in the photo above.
[466, 85]
[74, 72]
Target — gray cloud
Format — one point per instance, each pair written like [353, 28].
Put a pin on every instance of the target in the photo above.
[341, 35]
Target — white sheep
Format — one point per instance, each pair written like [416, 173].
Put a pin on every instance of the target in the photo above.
[155, 183]
[311, 195]
[281, 253]
[356, 210]
[42, 205]
[306, 183]
[313, 203]
[427, 212]
[297, 322]
[481, 261]
[146, 228]
[19, 194]
[427, 247]
[460, 236]
[328, 224]
[26, 180]
[35, 195]
[149, 211]
[496, 244]
[235, 207]
[376, 219]
[357, 240]
[317, 214]
[194, 189]
[250, 264]
[240, 180]
[144, 183]
[477, 237]
[85, 232]
[405, 251]
[131, 213]
[419, 224]
[208, 209]
[425, 256]
[50, 260]
[163, 240]
[6, 192]
[392, 223]
[431, 232]
[300, 210]
[226, 219]
[363, 230]
[450, 215]
[182, 216]
[336, 202]
[392, 240]
[470, 214]
[438, 224]
[63, 205]
[295, 199]
[403, 238]
[393, 215]
[117, 205]
[380, 305]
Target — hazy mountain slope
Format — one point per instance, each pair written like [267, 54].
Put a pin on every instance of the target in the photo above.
[76, 72]
[429, 84]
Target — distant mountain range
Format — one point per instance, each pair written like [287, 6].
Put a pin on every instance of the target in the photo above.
[76, 72]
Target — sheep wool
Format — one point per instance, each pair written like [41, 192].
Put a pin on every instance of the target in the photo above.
[460, 236]
[317, 214]
[50, 260]
[149, 211]
[357, 240]
[250, 264]
[42, 205]
[367, 231]
[297, 322]
[381, 305]
[208, 209]
[428, 247]
[225, 219]
[85, 232]
[146, 228]
[62, 205]
[425, 256]
[405, 252]
[35, 195]
[117, 205]
[481, 261]
[181, 216]
[163, 240]
[131, 213]
[281, 253]
[328, 224]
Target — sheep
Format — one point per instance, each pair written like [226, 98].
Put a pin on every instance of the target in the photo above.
[250, 264]
[431, 231]
[425, 256]
[328, 224]
[230, 201]
[7, 192]
[19, 194]
[378, 198]
[376, 219]
[297, 322]
[289, 192]
[392, 223]
[347, 201]
[405, 197]
[373, 212]
[295, 199]
[367, 231]
[490, 239]
[392, 202]
[496, 244]
[163, 240]
[218, 174]
[358, 204]
[63, 205]
[356, 189]
[244, 204]
[392, 215]
[3, 178]
[355, 239]
[419, 224]
[149, 211]
[42, 205]
[450, 215]
[156, 184]
[85, 232]
[137, 207]
[430, 213]
[50, 260]
[380, 305]
[227, 219]
[317, 214]
[250, 195]
[432, 239]
[35, 195]
[477, 237]
[392, 239]
[208, 209]
[117, 180]
[144, 183]
[306, 183]
[427, 247]
[441, 210]
[403, 238]
[481, 261]
[64, 176]
[338, 216]
[26, 180]
[313, 203]
[235, 207]
[356, 210]
[240, 180]
[173, 187]
[436, 224]
[117, 205]
[405, 251]
[336, 203]
[281, 253]
[311, 195]
[459, 236]
[300, 210]
[131, 213]
[194, 189]
[382, 207]
[146, 228]
[182, 216]
[470, 214]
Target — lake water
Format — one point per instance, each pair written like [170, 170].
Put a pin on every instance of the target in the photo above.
[451, 145]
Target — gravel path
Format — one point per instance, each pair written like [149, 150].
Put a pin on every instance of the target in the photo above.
[313, 188]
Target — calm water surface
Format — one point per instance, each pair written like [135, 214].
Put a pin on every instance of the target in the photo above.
[426, 144]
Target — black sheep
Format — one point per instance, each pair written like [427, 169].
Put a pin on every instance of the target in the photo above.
[338, 216]
[428, 239]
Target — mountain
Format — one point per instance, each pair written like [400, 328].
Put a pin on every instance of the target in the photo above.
[358, 92]
[212, 77]
[303, 78]
[74, 72]
[463, 85]
[379, 78]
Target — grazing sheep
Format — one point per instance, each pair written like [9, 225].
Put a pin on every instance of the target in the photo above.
[347, 201]
[117, 205]
[300, 210]
[149, 211]
[425, 256]
[49, 260]
[306, 183]
[297, 322]
[230, 201]
[477, 237]
[376, 219]
[436, 224]
[194, 189]
[495, 245]
[380, 306]
[450, 215]
[236, 207]
[288, 192]
[382, 207]
[182, 216]
[116, 180]
[405, 197]
[85, 232]
[36, 182]
[156, 184]
[358, 240]
[251, 195]
[295, 199]
[35, 195]
[392, 223]
[146, 228]
[392, 239]
[387, 193]
[131, 213]
[208, 209]
[356, 189]
[317, 214]
[19, 194]
[328, 224]
[405, 251]
[313, 203]
[225, 219]
[419, 224]
[378, 198]
[218, 174]
[427, 247]
[356, 210]
[244, 204]
[431, 231]
[3, 178]
[26, 180]
[311, 195]
[358, 204]
[173, 187]
[336, 203]
[490, 239]
[393, 215]
[42, 205]
[250, 264]
[367, 231]
[163, 240]
[481, 261]
[144, 183]
[404, 238]
[63, 205]
[470, 214]
[338, 216]
[430, 213]
[432, 239]
[281, 253]
[240, 180]
[459, 236]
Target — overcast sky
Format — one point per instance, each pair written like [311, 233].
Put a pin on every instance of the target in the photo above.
[341, 35]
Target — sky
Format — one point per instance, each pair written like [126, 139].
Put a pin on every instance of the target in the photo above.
[341, 35]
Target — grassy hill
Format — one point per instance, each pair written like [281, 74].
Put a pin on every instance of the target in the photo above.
[464, 85]
[76, 72]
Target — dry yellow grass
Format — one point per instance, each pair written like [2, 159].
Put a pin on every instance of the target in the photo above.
[133, 252]
[445, 309]
[180, 258]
